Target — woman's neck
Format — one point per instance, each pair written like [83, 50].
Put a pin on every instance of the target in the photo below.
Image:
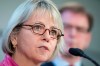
[23, 60]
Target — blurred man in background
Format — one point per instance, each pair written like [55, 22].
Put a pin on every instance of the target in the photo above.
[78, 24]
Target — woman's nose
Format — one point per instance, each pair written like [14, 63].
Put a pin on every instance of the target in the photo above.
[46, 36]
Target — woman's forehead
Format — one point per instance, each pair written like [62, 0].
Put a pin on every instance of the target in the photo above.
[41, 15]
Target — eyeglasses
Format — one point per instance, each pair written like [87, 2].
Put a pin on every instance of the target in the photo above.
[40, 29]
[80, 30]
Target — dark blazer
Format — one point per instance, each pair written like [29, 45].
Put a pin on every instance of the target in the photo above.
[48, 64]
[51, 64]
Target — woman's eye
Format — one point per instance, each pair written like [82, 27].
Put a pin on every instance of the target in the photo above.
[53, 32]
[37, 27]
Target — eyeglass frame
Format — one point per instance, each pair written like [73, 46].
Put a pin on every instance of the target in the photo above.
[78, 29]
[21, 25]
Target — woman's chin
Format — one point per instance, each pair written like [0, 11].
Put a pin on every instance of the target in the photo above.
[42, 58]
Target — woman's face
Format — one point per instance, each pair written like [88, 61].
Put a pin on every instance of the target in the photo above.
[33, 46]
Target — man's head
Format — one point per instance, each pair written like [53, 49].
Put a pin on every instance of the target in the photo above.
[77, 26]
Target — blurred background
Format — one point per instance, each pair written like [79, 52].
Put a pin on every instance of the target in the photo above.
[93, 6]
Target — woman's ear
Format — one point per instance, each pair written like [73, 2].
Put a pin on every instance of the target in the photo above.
[13, 39]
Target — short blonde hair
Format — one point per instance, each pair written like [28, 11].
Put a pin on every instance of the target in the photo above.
[22, 13]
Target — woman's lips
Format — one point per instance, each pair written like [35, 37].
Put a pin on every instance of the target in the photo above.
[44, 48]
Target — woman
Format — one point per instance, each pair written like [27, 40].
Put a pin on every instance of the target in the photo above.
[33, 35]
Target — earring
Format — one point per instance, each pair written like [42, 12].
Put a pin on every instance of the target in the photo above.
[14, 46]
